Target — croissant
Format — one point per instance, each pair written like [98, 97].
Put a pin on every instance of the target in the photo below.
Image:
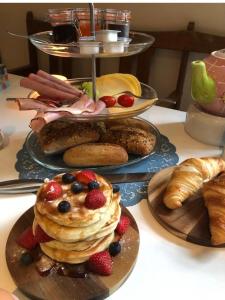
[188, 178]
[214, 199]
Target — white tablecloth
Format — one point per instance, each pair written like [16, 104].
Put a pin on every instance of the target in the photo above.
[167, 267]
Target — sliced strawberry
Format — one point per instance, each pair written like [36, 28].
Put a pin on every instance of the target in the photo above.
[123, 225]
[41, 236]
[95, 199]
[27, 239]
[52, 191]
[85, 176]
[100, 263]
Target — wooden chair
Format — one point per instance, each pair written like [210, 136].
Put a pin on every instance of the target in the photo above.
[57, 65]
[186, 41]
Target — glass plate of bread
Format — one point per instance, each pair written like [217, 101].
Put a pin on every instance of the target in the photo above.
[63, 144]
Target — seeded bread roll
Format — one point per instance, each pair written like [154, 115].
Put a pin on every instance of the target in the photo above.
[95, 154]
[134, 140]
[59, 135]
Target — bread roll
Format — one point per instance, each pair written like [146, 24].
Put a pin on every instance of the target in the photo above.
[59, 135]
[95, 154]
[134, 140]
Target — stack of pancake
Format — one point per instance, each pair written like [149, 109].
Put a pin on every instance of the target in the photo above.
[80, 232]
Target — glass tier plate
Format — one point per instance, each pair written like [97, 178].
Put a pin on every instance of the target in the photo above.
[55, 162]
[117, 112]
[44, 42]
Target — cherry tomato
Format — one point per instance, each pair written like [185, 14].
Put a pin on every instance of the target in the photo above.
[126, 100]
[109, 100]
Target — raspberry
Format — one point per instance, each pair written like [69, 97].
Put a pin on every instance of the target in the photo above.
[41, 236]
[52, 191]
[85, 176]
[123, 225]
[100, 263]
[95, 199]
[27, 239]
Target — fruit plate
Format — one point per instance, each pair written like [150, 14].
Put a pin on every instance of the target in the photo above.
[57, 287]
[189, 222]
[117, 112]
[44, 42]
[55, 162]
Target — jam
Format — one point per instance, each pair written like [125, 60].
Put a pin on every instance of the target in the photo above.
[65, 33]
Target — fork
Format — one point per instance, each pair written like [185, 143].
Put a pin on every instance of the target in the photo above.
[20, 186]
[135, 96]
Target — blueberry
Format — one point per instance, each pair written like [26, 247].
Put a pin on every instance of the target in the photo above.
[114, 248]
[68, 178]
[77, 187]
[93, 185]
[26, 258]
[64, 206]
[116, 189]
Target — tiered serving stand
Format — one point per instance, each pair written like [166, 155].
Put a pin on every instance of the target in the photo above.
[139, 42]
[94, 286]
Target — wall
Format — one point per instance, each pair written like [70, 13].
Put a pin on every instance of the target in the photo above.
[208, 18]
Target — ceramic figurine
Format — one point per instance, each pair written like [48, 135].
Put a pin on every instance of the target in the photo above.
[208, 83]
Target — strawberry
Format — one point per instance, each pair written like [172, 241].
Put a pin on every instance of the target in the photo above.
[27, 239]
[94, 199]
[108, 100]
[123, 225]
[41, 236]
[100, 263]
[52, 191]
[85, 176]
[126, 100]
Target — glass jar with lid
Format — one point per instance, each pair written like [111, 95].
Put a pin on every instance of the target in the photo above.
[118, 20]
[84, 19]
[64, 24]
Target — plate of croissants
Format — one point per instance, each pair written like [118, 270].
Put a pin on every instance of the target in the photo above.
[189, 200]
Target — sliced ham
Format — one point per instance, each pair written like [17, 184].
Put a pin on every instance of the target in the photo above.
[56, 80]
[31, 104]
[52, 114]
[46, 90]
[59, 86]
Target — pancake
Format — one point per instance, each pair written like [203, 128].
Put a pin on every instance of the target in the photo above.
[76, 257]
[79, 214]
[80, 232]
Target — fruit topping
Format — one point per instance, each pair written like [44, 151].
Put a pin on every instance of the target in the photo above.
[95, 199]
[26, 258]
[109, 101]
[44, 265]
[93, 185]
[68, 178]
[52, 191]
[64, 206]
[77, 187]
[126, 100]
[27, 239]
[86, 176]
[116, 188]
[123, 225]
[100, 263]
[114, 248]
[41, 236]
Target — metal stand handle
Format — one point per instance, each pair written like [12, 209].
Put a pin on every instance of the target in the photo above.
[93, 58]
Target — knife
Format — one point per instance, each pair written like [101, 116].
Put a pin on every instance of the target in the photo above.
[17, 186]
